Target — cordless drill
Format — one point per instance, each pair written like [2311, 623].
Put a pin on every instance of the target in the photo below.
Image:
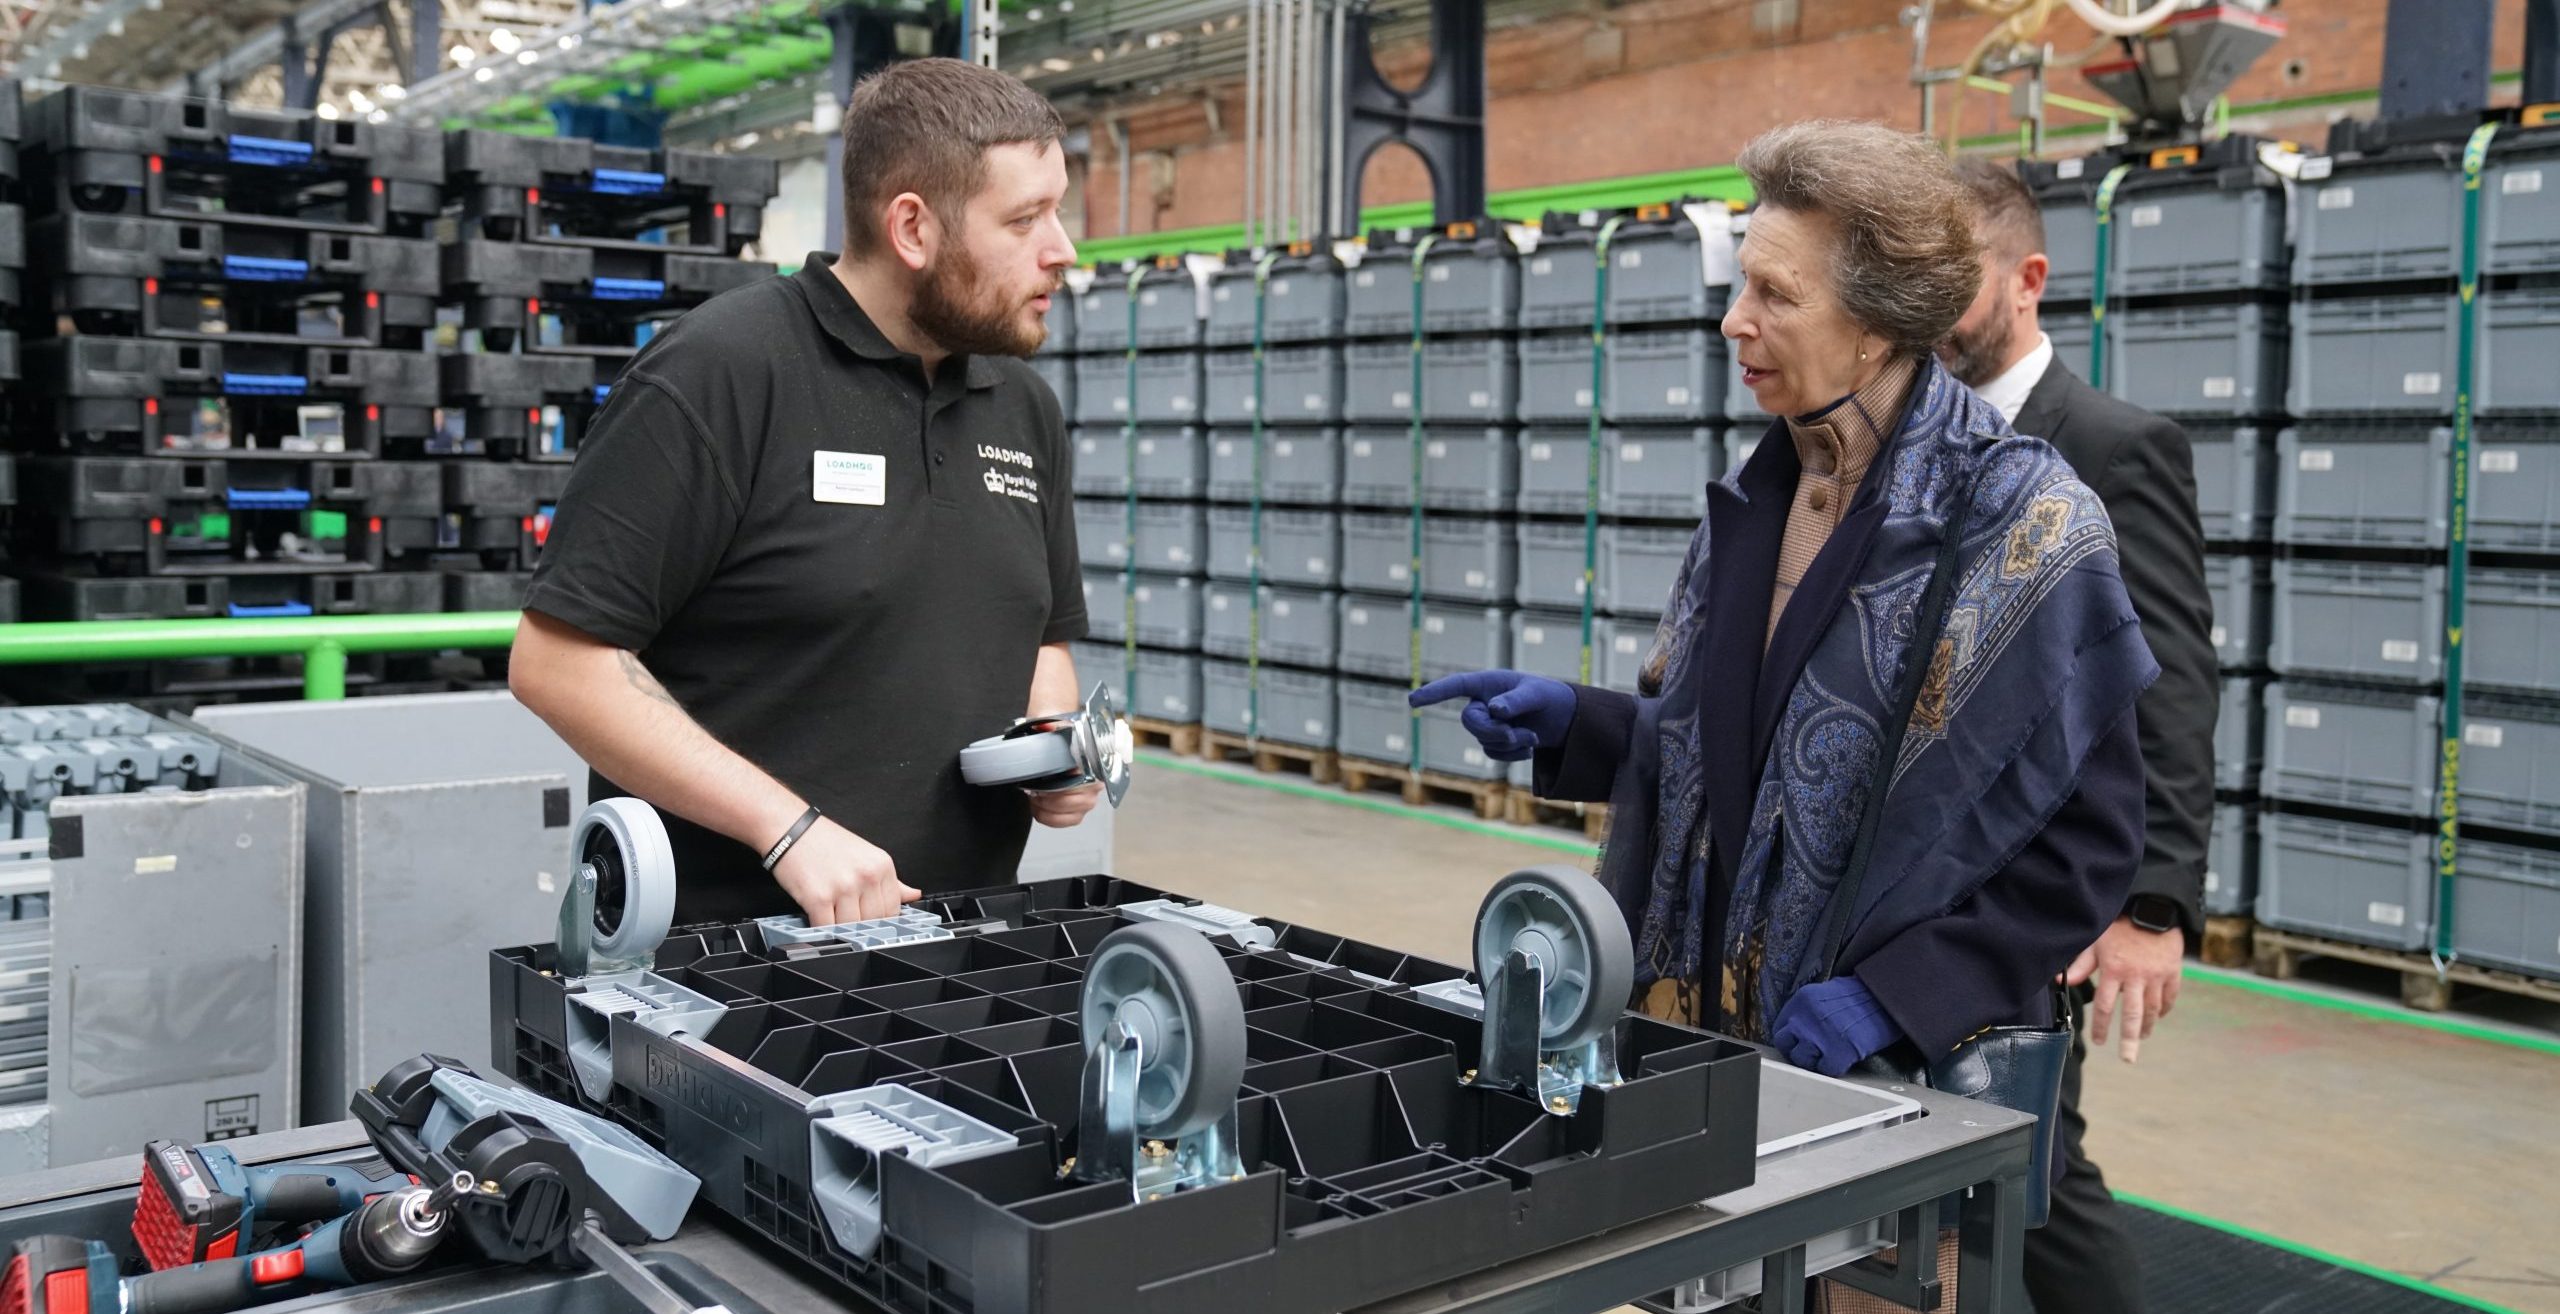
[387, 1235]
[200, 1202]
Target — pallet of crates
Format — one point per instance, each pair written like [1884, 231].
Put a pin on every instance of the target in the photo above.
[13, 225]
[510, 188]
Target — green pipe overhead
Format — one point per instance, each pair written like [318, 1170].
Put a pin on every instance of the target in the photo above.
[323, 642]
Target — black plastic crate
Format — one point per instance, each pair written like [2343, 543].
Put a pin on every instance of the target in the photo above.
[469, 589]
[596, 296]
[66, 595]
[210, 515]
[501, 513]
[12, 125]
[574, 191]
[153, 395]
[126, 275]
[105, 151]
[8, 364]
[13, 254]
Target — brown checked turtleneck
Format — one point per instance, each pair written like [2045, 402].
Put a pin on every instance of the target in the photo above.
[1835, 446]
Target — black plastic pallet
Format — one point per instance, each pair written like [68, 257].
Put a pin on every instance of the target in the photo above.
[103, 151]
[123, 275]
[146, 514]
[485, 590]
[8, 601]
[1371, 1168]
[505, 288]
[150, 395]
[13, 254]
[12, 126]
[501, 512]
[512, 406]
[63, 595]
[8, 364]
[576, 192]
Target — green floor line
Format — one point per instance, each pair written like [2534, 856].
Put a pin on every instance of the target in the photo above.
[2376, 1012]
[2314, 1253]
[1561, 844]
[1436, 817]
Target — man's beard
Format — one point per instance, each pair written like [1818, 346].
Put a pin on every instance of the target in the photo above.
[1979, 357]
[967, 316]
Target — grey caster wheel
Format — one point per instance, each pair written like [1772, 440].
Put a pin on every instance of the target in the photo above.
[1562, 917]
[1166, 986]
[622, 898]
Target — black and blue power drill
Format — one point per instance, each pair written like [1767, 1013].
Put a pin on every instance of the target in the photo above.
[386, 1235]
[200, 1203]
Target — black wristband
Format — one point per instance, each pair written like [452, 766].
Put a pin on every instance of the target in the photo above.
[773, 856]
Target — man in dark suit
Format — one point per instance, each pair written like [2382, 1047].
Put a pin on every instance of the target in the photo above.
[2140, 465]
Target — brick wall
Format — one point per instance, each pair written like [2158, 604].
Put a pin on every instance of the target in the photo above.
[1655, 85]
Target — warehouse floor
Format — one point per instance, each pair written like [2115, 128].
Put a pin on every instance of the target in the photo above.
[2411, 1149]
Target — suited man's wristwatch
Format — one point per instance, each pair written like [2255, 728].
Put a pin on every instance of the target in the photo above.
[2153, 912]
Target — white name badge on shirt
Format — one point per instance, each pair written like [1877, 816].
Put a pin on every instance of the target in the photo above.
[850, 478]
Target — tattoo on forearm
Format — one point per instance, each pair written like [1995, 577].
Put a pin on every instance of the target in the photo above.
[641, 680]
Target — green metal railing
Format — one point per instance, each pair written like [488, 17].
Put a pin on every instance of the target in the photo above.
[323, 642]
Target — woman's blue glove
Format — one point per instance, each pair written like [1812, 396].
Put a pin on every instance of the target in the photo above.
[1512, 714]
[1830, 1025]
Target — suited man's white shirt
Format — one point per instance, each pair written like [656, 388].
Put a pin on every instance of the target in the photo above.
[2009, 391]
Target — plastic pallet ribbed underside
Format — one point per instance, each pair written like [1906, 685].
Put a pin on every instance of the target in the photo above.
[1370, 1169]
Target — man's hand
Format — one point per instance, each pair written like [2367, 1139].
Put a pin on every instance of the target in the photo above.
[837, 876]
[1064, 807]
[2136, 968]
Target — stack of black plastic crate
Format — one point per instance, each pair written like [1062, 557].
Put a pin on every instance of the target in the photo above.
[221, 334]
[563, 257]
[1141, 472]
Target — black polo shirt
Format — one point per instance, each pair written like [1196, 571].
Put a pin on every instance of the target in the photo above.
[842, 573]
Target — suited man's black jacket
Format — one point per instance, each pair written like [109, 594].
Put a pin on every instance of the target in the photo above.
[2141, 466]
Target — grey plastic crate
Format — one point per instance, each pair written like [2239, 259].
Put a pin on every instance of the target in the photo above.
[1376, 722]
[1467, 287]
[1168, 311]
[1377, 640]
[1462, 469]
[2231, 863]
[1060, 325]
[2506, 907]
[2373, 224]
[1555, 378]
[1299, 547]
[2365, 356]
[2208, 360]
[1655, 473]
[2511, 763]
[1656, 276]
[2519, 341]
[1171, 462]
[2200, 238]
[2369, 749]
[1305, 384]
[1059, 372]
[1377, 637]
[1739, 443]
[2071, 244]
[2239, 736]
[2515, 488]
[2071, 333]
[1101, 389]
[1549, 643]
[1448, 748]
[1634, 569]
[1299, 466]
[2512, 638]
[2366, 883]
[1302, 302]
[2362, 620]
[2363, 486]
[1172, 537]
[2242, 598]
[1458, 637]
[1297, 707]
[1740, 406]
[1464, 558]
[2235, 482]
[1164, 685]
[1464, 380]
[2520, 208]
[1168, 607]
[1299, 626]
[1648, 376]
[1169, 387]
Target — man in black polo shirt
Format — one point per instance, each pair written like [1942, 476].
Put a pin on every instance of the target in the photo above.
[821, 536]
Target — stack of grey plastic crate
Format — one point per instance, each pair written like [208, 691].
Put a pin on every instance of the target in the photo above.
[2353, 723]
[13, 259]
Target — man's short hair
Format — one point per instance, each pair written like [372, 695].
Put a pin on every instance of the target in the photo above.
[2012, 223]
[924, 126]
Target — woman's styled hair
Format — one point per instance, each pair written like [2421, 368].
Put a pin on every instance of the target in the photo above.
[1908, 263]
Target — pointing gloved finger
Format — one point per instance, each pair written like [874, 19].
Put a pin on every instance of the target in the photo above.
[1467, 684]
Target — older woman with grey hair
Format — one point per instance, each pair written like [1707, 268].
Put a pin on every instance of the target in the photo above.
[1895, 599]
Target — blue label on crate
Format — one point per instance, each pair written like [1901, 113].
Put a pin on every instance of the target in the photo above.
[629, 289]
[271, 609]
[629, 182]
[264, 269]
[266, 385]
[268, 499]
[268, 150]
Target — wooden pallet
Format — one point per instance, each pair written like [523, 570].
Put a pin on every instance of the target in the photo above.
[2226, 941]
[2279, 954]
[1486, 797]
[1523, 808]
[1270, 755]
[1181, 740]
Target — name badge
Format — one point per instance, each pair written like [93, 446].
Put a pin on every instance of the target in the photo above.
[850, 478]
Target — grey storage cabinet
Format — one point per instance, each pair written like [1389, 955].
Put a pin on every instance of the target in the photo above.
[1172, 463]
[1297, 707]
[1300, 467]
[1304, 382]
[2401, 219]
[2239, 736]
[1644, 473]
[2513, 631]
[1462, 469]
[1299, 547]
[1301, 627]
[2370, 749]
[2197, 238]
[2362, 620]
[385, 911]
[2520, 207]
[2511, 763]
[2380, 486]
[1172, 537]
[2515, 488]
[2369, 356]
[2231, 862]
[1302, 301]
[2506, 907]
[2243, 596]
[1167, 607]
[2368, 884]
[2519, 341]
[2235, 482]
[2199, 360]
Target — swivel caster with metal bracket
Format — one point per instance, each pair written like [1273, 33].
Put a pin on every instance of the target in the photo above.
[1163, 1032]
[1557, 968]
[1047, 754]
[614, 916]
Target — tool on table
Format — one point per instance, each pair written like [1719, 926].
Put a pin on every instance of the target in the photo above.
[385, 1236]
[200, 1202]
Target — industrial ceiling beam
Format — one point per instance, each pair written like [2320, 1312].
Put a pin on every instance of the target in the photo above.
[71, 41]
